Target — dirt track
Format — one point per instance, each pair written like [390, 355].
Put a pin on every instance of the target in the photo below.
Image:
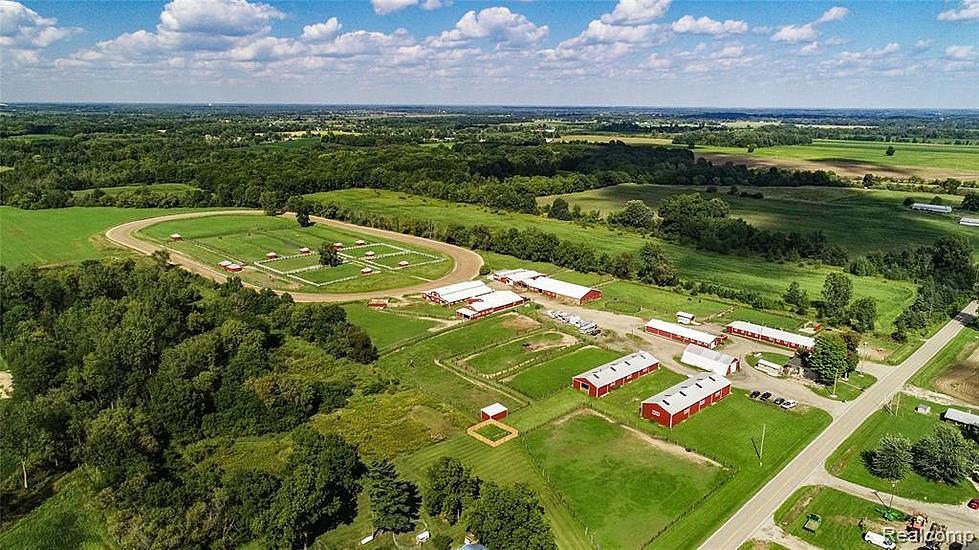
[467, 262]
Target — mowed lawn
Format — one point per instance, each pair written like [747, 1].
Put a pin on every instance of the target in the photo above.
[770, 279]
[618, 484]
[847, 461]
[728, 432]
[841, 514]
[64, 235]
[843, 214]
[386, 329]
[550, 376]
[512, 354]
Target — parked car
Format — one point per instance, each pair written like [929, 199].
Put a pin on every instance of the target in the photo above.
[974, 504]
[789, 404]
[754, 394]
[878, 540]
[765, 396]
[778, 401]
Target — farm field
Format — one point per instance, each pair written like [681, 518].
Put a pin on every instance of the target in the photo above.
[64, 235]
[955, 369]
[840, 513]
[808, 209]
[547, 378]
[846, 462]
[496, 361]
[640, 487]
[386, 329]
[740, 420]
[749, 273]
[247, 239]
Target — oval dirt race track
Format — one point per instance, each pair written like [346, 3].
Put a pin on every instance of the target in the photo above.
[467, 262]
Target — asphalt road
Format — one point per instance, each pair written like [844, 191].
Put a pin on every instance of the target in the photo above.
[740, 527]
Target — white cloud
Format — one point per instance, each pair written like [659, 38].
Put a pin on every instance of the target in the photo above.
[833, 14]
[922, 45]
[22, 28]
[732, 51]
[960, 52]
[654, 61]
[794, 34]
[635, 12]
[217, 17]
[968, 10]
[811, 48]
[499, 24]
[357, 43]
[836, 41]
[603, 33]
[322, 31]
[384, 7]
[706, 25]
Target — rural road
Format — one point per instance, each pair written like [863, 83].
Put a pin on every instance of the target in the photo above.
[755, 513]
[466, 262]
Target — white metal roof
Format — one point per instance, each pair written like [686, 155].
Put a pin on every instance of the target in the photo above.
[685, 314]
[225, 263]
[494, 409]
[707, 359]
[517, 275]
[971, 222]
[684, 331]
[495, 299]
[774, 333]
[931, 207]
[620, 368]
[561, 288]
[962, 417]
[461, 291]
[688, 392]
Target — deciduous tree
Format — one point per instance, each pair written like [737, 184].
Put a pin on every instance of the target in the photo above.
[510, 517]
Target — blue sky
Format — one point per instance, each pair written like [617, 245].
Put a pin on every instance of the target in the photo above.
[916, 54]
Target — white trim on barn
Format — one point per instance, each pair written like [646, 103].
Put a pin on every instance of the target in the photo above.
[769, 334]
[458, 292]
[689, 392]
[490, 303]
[682, 333]
[709, 360]
[621, 368]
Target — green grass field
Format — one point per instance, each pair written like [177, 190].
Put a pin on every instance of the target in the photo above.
[153, 188]
[246, 239]
[841, 514]
[740, 420]
[622, 487]
[830, 210]
[770, 279]
[65, 235]
[847, 461]
[549, 377]
[386, 329]
[509, 355]
[954, 354]
[848, 390]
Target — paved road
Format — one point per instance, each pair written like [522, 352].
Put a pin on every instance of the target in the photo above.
[760, 507]
[467, 262]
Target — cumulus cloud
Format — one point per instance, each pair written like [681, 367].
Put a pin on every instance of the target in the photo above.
[384, 7]
[922, 45]
[635, 12]
[794, 34]
[968, 10]
[960, 52]
[833, 14]
[23, 30]
[321, 31]
[499, 24]
[218, 17]
[706, 25]
[654, 61]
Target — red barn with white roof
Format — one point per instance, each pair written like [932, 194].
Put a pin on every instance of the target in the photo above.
[496, 411]
[678, 403]
[683, 334]
[605, 378]
[564, 290]
[771, 335]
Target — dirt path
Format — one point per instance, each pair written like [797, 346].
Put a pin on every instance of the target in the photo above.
[466, 262]
[936, 397]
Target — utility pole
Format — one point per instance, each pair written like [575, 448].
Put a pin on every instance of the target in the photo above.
[761, 451]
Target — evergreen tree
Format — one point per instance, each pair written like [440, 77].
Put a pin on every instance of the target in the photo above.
[796, 297]
[863, 314]
[892, 457]
[837, 291]
[394, 501]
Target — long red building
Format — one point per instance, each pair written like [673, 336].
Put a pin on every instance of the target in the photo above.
[771, 335]
[605, 378]
[684, 334]
[674, 405]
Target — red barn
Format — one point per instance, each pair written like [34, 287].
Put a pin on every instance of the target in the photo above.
[683, 334]
[605, 378]
[775, 336]
[674, 405]
[176, 237]
[563, 290]
[488, 304]
[496, 411]
[459, 292]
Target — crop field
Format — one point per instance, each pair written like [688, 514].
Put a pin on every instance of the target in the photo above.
[847, 461]
[246, 240]
[841, 514]
[63, 235]
[740, 420]
[622, 486]
[808, 209]
[549, 377]
[500, 359]
[757, 274]
[955, 369]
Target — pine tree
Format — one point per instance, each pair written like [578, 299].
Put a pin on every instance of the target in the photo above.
[394, 501]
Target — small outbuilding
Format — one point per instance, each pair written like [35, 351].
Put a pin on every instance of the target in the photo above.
[366, 271]
[710, 360]
[403, 263]
[962, 418]
[304, 250]
[369, 254]
[932, 208]
[496, 411]
[684, 318]
[360, 243]
[969, 222]
[271, 256]
[922, 409]
[337, 246]
[234, 268]
[176, 237]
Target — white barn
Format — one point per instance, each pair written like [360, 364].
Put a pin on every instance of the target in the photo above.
[933, 208]
[459, 292]
[710, 360]
[969, 222]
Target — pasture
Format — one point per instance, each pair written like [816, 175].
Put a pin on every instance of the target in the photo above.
[622, 486]
[550, 376]
[64, 235]
[830, 210]
[953, 369]
[500, 359]
[841, 513]
[898, 417]
[246, 240]
[386, 328]
[758, 274]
